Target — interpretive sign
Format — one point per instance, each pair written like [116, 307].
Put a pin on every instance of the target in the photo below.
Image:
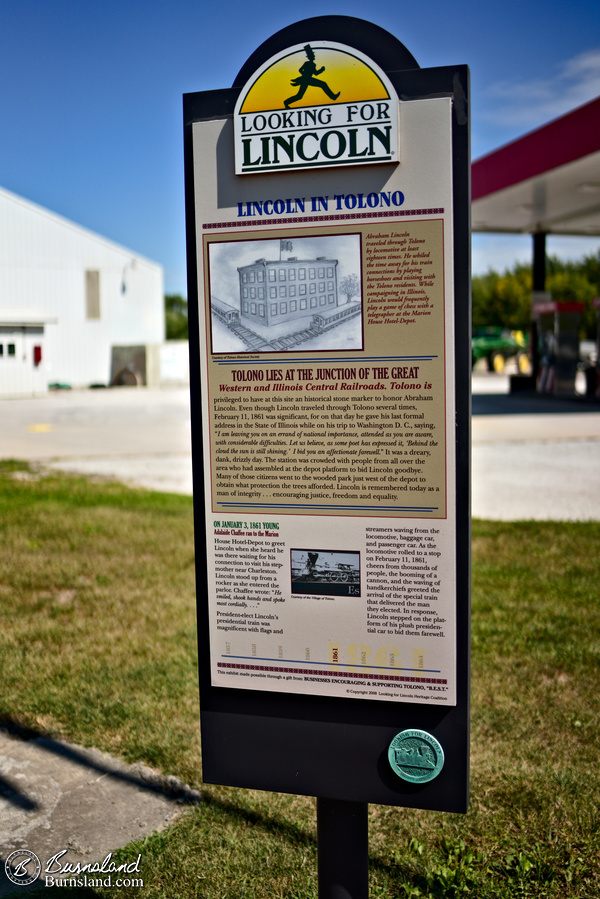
[328, 239]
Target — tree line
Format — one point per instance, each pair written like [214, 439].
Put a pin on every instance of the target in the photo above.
[176, 317]
[505, 299]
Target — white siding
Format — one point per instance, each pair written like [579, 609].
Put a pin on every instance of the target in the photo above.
[43, 264]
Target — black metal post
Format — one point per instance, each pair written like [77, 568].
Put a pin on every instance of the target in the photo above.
[539, 284]
[343, 849]
[539, 261]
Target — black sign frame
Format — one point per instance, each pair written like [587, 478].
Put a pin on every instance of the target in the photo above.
[337, 748]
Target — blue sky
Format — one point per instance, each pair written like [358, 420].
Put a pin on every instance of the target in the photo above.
[91, 98]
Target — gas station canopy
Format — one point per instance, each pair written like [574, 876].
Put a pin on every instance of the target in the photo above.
[546, 182]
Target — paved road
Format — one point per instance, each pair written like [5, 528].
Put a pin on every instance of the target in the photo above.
[140, 436]
[533, 457]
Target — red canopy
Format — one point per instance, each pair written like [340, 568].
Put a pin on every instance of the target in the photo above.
[547, 181]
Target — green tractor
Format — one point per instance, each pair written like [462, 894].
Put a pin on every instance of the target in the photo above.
[496, 345]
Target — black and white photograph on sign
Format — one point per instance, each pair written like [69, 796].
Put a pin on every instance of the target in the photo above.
[281, 294]
[325, 572]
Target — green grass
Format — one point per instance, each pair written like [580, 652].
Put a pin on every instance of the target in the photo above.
[97, 646]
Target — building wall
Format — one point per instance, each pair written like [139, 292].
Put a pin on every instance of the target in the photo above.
[43, 263]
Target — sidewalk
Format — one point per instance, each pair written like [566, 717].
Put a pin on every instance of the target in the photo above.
[58, 798]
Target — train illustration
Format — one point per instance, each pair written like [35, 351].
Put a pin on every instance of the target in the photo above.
[314, 567]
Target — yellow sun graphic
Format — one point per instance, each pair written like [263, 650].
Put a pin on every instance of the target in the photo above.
[345, 75]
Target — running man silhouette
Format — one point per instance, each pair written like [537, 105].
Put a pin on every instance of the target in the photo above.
[307, 72]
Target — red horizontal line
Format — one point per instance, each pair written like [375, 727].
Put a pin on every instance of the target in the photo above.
[322, 218]
[326, 673]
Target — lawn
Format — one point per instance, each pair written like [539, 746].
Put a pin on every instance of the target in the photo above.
[98, 647]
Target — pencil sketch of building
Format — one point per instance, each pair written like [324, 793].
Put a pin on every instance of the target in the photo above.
[276, 304]
[272, 292]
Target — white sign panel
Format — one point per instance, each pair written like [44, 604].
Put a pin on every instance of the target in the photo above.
[326, 343]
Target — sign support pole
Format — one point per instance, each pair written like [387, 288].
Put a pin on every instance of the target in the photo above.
[343, 849]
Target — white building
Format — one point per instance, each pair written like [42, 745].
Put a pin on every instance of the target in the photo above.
[68, 299]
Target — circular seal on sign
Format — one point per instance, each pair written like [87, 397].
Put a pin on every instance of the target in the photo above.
[23, 867]
[416, 756]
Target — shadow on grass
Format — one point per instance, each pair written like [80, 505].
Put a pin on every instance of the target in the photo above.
[296, 835]
[270, 824]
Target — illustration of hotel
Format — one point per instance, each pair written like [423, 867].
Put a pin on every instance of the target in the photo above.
[273, 292]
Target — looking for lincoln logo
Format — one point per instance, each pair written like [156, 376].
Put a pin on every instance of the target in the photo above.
[307, 72]
[347, 116]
